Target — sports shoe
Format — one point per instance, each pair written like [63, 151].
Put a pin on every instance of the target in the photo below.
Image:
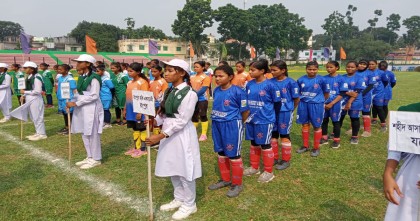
[90, 164]
[129, 152]
[331, 136]
[106, 126]
[234, 191]
[184, 212]
[251, 171]
[373, 121]
[335, 145]
[265, 177]
[174, 204]
[4, 120]
[384, 129]
[302, 150]
[323, 141]
[349, 132]
[33, 135]
[49, 106]
[315, 152]
[121, 123]
[38, 137]
[219, 185]
[366, 134]
[80, 163]
[282, 165]
[354, 140]
[63, 130]
[138, 153]
[203, 137]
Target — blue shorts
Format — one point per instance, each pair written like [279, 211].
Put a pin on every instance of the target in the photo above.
[310, 113]
[284, 122]
[378, 99]
[227, 137]
[259, 133]
[386, 102]
[62, 107]
[335, 112]
[367, 102]
[106, 104]
[351, 113]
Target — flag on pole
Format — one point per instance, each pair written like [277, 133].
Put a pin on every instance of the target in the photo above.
[153, 47]
[311, 54]
[192, 53]
[277, 53]
[343, 55]
[326, 53]
[253, 53]
[22, 111]
[91, 46]
[25, 43]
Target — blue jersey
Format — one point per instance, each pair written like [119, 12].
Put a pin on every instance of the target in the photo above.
[312, 89]
[391, 80]
[107, 85]
[289, 90]
[229, 104]
[353, 83]
[367, 76]
[71, 81]
[379, 89]
[261, 98]
[335, 84]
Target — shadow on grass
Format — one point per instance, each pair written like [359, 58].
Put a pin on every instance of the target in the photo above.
[31, 172]
[340, 211]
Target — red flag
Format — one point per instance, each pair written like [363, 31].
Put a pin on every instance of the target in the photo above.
[311, 52]
[91, 46]
[253, 54]
[343, 55]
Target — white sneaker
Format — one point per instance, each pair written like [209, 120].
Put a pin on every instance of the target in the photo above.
[106, 126]
[38, 137]
[184, 212]
[90, 164]
[33, 135]
[174, 204]
[4, 120]
[80, 163]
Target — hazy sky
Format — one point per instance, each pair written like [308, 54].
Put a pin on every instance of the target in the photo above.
[57, 17]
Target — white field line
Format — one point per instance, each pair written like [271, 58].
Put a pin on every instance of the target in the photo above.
[108, 189]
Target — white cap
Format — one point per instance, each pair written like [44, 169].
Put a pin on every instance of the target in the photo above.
[86, 58]
[3, 65]
[178, 63]
[30, 64]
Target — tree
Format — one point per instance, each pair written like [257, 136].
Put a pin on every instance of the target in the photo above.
[365, 47]
[334, 26]
[191, 22]
[130, 26]
[8, 28]
[149, 32]
[393, 25]
[382, 34]
[412, 38]
[374, 21]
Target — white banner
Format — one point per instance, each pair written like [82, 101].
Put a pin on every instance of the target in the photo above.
[144, 102]
[404, 132]
[21, 84]
[65, 90]
[22, 111]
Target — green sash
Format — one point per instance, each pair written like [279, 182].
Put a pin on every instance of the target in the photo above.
[31, 81]
[2, 77]
[84, 82]
[174, 100]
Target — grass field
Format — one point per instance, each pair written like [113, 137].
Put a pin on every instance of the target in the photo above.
[343, 184]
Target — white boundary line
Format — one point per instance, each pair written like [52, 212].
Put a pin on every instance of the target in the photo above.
[104, 188]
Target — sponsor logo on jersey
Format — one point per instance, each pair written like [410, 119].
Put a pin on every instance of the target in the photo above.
[262, 93]
[229, 147]
[260, 135]
[316, 86]
[284, 90]
[243, 103]
[226, 103]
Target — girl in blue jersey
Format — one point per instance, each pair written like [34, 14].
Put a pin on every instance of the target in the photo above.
[63, 70]
[353, 86]
[230, 110]
[378, 94]
[370, 81]
[333, 104]
[392, 81]
[262, 95]
[105, 94]
[314, 90]
[289, 94]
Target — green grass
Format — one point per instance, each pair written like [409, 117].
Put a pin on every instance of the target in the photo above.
[343, 184]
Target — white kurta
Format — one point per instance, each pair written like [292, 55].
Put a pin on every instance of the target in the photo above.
[6, 95]
[407, 178]
[179, 155]
[36, 110]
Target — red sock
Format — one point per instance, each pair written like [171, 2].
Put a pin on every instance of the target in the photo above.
[268, 160]
[286, 149]
[383, 124]
[224, 167]
[254, 155]
[336, 140]
[366, 123]
[305, 135]
[325, 137]
[237, 171]
[317, 138]
[275, 146]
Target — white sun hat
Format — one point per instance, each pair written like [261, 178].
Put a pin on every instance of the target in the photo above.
[86, 58]
[178, 63]
[3, 65]
[30, 64]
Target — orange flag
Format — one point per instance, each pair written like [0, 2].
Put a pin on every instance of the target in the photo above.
[191, 50]
[253, 54]
[343, 55]
[91, 46]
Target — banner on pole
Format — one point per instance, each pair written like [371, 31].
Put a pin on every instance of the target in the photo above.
[21, 84]
[404, 132]
[144, 102]
[65, 90]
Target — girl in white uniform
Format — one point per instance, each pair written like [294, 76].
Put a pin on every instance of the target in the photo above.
[5, 93]
[179, 154]
[33, 95]
[88, 114]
